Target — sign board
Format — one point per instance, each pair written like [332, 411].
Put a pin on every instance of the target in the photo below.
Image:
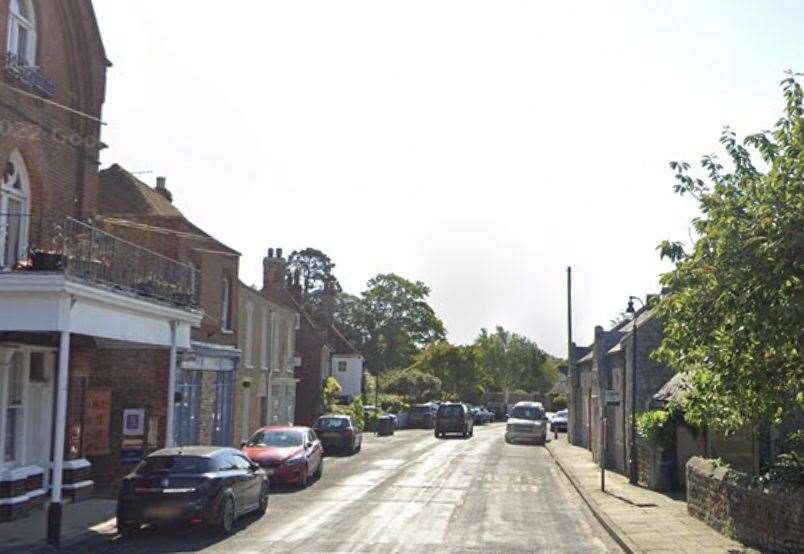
[97, 422]
[612, 397]
[153, 431]
[134, 422]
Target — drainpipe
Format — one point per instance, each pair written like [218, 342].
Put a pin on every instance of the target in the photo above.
[54, 509]
[171, 396]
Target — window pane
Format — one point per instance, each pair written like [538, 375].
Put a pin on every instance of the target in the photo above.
[12, 432]
[13, 226]
[15, 380]
[22, 44]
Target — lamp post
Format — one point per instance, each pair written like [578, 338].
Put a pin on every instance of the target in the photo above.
[630, 312]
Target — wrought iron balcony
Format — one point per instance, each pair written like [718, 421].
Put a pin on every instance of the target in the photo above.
[84, 252]
[29, 75]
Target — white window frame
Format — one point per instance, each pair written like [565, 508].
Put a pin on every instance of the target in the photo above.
[5, 376]
[226, 309]
[265, 346]
[248, 341]
[17, 21]
[21, 195]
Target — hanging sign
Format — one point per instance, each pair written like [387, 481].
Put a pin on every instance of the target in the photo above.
[612, 397]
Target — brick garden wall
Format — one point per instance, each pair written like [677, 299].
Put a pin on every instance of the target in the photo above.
[769, 518]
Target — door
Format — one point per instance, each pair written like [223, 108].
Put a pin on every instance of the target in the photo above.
[248, 484]
[314, 452]
[222, 417]
[186, 419]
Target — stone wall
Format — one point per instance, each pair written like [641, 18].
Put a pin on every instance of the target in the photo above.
[655, 466]
[770, 518]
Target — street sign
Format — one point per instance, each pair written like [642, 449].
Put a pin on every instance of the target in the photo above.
[612, 397]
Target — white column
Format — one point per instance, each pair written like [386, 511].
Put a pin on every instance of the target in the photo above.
[54, 510]
[61, 416]
[171, 386]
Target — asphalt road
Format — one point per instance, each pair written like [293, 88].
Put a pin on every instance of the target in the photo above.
[409, 493]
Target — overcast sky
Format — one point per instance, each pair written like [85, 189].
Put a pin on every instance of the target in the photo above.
[481, 147]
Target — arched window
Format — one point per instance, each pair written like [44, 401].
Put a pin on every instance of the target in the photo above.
[22, 32]
[15, 199]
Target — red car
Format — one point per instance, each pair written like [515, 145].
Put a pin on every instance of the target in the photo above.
[289, 455]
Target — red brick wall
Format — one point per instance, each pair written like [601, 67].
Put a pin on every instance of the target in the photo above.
[63, 176]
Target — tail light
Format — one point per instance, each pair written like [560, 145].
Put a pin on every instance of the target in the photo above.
[349, 433]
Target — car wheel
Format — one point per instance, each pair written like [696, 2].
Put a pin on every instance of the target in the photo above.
[226, 515]
[263, 506]
[128, 529]
[436, 434]
[507, 440]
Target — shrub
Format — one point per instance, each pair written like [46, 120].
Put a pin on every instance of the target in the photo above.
[330, 389]
[655, 426]
[559, 402]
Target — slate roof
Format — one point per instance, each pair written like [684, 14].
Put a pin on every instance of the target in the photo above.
[674, 389]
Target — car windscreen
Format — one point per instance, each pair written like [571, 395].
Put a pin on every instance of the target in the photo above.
[450, 411]
[173, 465]
[527, 412]
[420, 409]
[275, 438]
[332, 423]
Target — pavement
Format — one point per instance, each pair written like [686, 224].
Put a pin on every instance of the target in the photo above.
[409, 493]
[639, 519]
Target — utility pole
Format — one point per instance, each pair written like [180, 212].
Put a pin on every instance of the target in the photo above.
[570, 364]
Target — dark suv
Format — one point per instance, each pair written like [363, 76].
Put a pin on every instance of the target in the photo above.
[454, 418]
[422, 416]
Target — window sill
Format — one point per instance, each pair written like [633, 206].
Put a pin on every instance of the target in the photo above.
[227, 331]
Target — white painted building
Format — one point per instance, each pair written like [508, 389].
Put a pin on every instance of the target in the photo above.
[347, 369]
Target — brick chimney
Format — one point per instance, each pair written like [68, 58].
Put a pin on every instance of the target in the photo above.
[325, 313]
[295, 287]
[162, 189]
[273, 271]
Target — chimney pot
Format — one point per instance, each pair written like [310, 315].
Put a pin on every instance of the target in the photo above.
[162, 189]
[278, 252]
[270, 252]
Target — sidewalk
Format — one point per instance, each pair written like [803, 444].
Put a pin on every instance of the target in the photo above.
[639, 519]
[79, 521]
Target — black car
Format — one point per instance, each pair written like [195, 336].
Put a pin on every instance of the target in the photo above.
[422, 416]
[559, 422]
[339, 432]
[454, 418]
[207, 485]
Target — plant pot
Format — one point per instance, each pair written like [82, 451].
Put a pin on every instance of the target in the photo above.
[47, 261]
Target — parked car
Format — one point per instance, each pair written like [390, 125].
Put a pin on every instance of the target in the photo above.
[454, 418]
[526, 423]
[559, 422]
[206, 485]
[289, 455]
[339, 433]
[369, 410]
[488, 415]
[423, 415]
[477, 416]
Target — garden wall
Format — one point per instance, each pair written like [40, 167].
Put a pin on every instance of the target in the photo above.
[768, 517]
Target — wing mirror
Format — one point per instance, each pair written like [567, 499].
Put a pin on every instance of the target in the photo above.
[243, 444]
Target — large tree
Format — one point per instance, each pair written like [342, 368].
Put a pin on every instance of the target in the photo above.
[734, 310]
[314, 267]
[512, 361]
[457, 367]
[392, 321]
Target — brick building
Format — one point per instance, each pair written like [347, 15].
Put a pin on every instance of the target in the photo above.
[265, 387]
[73, 298]
[146, 216]
[320, 346]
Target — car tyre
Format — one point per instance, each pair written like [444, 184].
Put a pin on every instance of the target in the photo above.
[263, 505]
[226, 516]
[128, 529]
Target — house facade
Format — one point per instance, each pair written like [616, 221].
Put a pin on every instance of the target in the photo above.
[265, 387]
[205, 379]
[71, 300]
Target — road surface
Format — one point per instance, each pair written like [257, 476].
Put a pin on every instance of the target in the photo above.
[410, 493]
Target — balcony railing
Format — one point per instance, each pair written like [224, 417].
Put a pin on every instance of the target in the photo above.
[28, 75]
[82, 251]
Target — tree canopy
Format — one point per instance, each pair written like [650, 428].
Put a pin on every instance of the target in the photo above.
[314, 267]
[457, 367]
[734, 306]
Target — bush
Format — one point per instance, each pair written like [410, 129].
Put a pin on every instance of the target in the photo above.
[559, 402]
[330, 389]
[355, 409]
[655, 426]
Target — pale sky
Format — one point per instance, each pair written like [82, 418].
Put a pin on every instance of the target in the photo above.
[480, 147]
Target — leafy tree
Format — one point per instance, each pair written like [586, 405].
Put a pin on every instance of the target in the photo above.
[412, 384]
[330, 389]
[314, 267]
[392, 321]
[734, 306]
[457, 367]
[511, 361]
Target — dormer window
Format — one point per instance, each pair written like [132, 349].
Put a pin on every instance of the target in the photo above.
[22, 32]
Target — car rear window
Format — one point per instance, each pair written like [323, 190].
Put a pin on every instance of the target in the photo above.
[276, 438]
[332, 423]
[527, 412]
[455, 410]
[173, 465]
[420, 409]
